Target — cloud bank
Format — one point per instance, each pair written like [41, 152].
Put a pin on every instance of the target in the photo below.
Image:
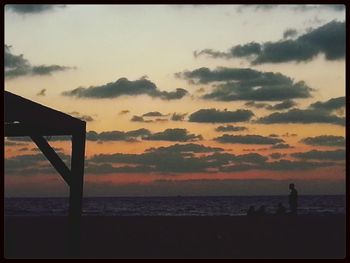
[31, 9]
[247, 84]
[306, 116]
[17, 66]
[217, 116]
[325, 140]
[328, 39]
[125, 87]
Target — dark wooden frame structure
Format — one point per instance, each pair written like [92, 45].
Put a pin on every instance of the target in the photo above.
[26, 118]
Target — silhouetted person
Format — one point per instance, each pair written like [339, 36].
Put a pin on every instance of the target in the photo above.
[261, 211]
[281, 210]
[251, 211]
[293, 199]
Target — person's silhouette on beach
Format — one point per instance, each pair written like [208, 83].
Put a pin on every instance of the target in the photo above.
[293, 199]
[281, 210]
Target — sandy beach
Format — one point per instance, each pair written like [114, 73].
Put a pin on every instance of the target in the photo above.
[179, 237]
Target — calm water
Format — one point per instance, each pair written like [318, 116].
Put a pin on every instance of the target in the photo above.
[172, 206]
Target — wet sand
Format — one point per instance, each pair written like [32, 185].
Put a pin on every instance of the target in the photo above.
[178, 237]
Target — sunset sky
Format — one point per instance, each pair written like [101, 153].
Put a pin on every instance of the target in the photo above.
[183, 99]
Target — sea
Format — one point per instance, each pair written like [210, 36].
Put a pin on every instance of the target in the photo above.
[173, 206]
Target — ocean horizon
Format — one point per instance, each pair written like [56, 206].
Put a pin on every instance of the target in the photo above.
[172, 205]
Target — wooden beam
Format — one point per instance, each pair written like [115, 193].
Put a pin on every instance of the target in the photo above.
[54, 159]
[23, 110]
[20, 130]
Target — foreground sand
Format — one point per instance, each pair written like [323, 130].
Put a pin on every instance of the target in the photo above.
[179, 237]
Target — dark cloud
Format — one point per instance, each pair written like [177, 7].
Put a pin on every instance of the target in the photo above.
[14, 61]
[281, 146]
[31, 9]
[212, 53]
[273, 135]
[117, 135]
[247, 139]
[178, 158]
[183, 148]
[221, 160]
[258, 105]
[180, 135]
[283, 105]
[136, 118]
[154, 114]
[178, 116]
[251, 158]
[175, 159]
[325, 140]
[217, 116]
[296, 8]
[48, 138]
[302, 116]
[285, 51]
[172, 162]
[173, 95]
[289, 33]
[328, 39]
[41, 92]
[29, 164]
[321, 155]
[232, 91]
[138, 133]
[124, 87]
[276, 155]
[82, 117]
[286, 104]
[230, 128]
[329, 105]
[247, 84]
[17, 66]
[47, 70]
[249, 49]
[205, 75]
[337, 7]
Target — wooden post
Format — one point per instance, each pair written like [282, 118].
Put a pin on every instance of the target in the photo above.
[76, 189]
[77, 173]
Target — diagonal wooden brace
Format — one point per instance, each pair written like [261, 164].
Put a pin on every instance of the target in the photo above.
[52, 156]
